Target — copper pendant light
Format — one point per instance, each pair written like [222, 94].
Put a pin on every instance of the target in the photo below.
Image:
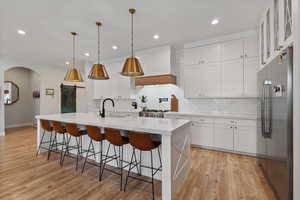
[73, 74]
[98, 71]
[132, 66]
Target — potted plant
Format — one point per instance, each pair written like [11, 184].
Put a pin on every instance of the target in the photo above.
[143, 100]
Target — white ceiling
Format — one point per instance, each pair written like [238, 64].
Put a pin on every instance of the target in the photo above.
[48, 23]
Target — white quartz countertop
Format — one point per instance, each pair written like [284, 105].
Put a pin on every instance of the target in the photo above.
[214, 115]
[140, 124]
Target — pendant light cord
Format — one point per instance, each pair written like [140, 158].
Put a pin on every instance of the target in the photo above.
[73, 51]
[132, 54]
[98, 44]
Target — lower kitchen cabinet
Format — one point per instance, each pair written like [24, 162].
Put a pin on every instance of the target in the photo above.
[203, 133]
[245, 139]
[224, 136]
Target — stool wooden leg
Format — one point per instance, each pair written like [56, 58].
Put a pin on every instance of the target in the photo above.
[86, 157]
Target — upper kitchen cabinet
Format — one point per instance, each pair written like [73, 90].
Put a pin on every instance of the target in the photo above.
[233, 50]
[202, 55]
[251, 47]
[202, 80]
[230, 72]
[275, 30]
[232, 78]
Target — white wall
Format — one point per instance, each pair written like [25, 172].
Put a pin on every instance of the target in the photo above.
[23, 111]
[296, 33]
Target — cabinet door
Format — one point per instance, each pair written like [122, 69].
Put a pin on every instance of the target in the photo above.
[245, 139]
[251, 47]
[210, 79]
[223, 137]
[203, 54]
[191, 82]
[202, 134]
[250, 75]
[233, 50]
[232, 78]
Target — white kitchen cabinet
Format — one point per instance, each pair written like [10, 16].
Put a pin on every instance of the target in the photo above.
[233, 50]
[245, 139]
[202, 131]
[245, 136]
[192, 82]
[202, 55]
[251, 47]
[223, 137]
[202, 80]
[250, 76]
[233, 78]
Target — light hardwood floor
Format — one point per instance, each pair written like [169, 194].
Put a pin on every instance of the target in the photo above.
[214, 176]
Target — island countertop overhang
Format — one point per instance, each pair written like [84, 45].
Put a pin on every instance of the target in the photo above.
[161, 126]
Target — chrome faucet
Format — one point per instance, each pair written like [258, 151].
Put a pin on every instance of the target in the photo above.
[102, 114]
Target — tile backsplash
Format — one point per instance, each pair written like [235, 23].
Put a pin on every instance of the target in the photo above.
[153, 93]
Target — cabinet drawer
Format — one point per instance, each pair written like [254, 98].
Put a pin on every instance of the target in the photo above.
[224, 121]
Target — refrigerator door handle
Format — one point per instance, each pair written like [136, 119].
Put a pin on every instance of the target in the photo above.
[267, 109]
[262, 111]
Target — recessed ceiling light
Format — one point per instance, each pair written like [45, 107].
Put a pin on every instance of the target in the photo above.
[215, 22]
[156, 36]
[21, 32]
[67, 62]
[114, 47]
[87, 54]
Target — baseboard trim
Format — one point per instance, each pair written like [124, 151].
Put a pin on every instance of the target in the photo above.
[19, 125]
[225, 150]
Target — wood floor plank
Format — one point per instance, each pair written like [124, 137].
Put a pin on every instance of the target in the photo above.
[213, 176]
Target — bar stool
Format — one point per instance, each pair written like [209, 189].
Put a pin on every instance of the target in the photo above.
[58, 129]
[114, 137]
[77, 134]
[143, 142]
[95, 135]
[45, 124]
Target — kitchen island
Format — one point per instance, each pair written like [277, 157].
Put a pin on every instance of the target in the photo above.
[175, 142]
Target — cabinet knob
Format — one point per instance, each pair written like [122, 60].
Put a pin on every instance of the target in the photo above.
[242, 56]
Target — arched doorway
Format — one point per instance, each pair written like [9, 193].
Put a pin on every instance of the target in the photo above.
[21, 97]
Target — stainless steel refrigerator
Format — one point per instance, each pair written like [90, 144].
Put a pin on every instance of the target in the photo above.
[275, 124]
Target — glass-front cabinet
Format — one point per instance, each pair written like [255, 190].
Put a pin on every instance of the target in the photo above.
[275, 30]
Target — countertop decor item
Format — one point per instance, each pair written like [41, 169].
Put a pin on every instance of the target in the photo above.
[73, 74]
[132, 66]
[174, 103]
[49, 92]
[143, 100]
[98, 71]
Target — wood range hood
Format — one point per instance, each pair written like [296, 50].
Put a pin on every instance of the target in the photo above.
[156, 80]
